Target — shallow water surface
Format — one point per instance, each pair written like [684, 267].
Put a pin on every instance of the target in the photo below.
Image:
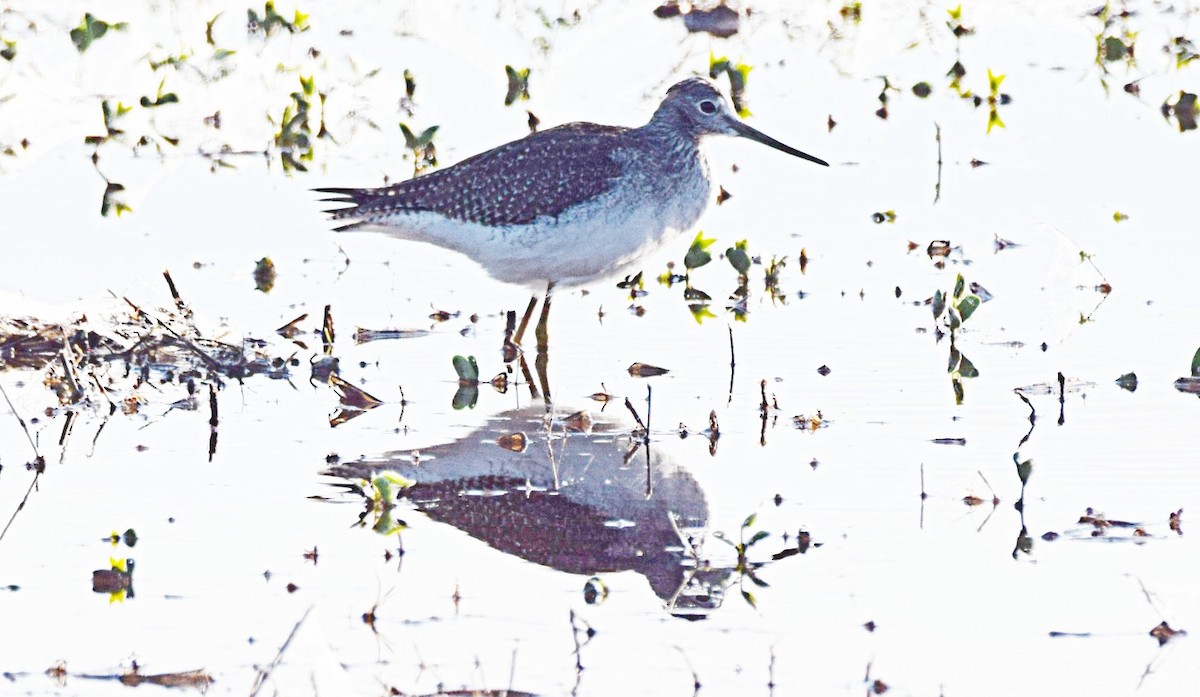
[808, 502]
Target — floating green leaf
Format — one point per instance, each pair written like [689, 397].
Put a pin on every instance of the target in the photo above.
[700, 312]
[465, 397]
[994, 120]
[417, 142]
[264, 275]
[387, 484]
[1024, 469]
[91, 29]
[994, 82]
[697, 254]
[422, 147]
[1184, 50]
[386, 526]
[518, 85]
[208, 29]
[1128, 381]
[738, 258]
[967, 306]
[1185, 110]
[1024, 543]
[169, 61]
[939, 303]
[271, 21]
[716, 66]
[467, 369]
[1114, 49]
[1196, 364]
[160, 98]
[111, 203]
[967, 369]
[294, 138]
[738, 74]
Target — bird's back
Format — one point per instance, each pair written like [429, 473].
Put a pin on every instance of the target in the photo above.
[542, 174]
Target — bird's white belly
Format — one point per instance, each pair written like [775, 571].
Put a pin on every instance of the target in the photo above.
[588, 242]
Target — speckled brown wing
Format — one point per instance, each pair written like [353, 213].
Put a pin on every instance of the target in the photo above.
[542, 174]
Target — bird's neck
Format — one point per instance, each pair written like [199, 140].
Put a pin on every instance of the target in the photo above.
[665, 125]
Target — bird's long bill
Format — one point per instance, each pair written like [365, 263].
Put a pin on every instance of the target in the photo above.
[747, 132]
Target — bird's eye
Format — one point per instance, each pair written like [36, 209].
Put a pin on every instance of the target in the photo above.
[707, 106]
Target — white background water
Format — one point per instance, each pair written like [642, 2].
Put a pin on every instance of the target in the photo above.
[954, 612]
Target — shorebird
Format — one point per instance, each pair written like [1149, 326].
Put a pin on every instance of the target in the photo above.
[568, 205]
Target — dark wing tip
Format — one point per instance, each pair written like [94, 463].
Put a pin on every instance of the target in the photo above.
[341, 194]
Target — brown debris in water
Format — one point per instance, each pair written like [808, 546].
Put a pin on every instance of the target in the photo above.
[105, 361]
[644, 370]
[352, 396]
[198, 679]
[515, 442]
[1164, 633]
[1175, 520]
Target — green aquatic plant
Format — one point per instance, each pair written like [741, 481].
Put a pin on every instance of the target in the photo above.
[90, 29]
[739, 259]
[111, 115]
[738, 73]
[169, 62]
[160, 98]
[518, 85]
[294, 138]
[1116, 41]
[955, 23]
[468, 382]
[271, 21]
[1183, 49]
[1185, 109]
[422, 147]
[745, 568]
[697, 254]
[111, 202]
[957, 307]
[994, 100]
[380, 495]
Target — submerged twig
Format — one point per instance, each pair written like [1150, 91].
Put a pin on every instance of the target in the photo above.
[212, 421]
[732, 365]
[21, 506]
[937, 188]
[264, 674]
[39, 463]
[24, 426]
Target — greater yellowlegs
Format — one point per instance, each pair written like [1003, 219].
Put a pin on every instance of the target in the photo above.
[567, 205]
